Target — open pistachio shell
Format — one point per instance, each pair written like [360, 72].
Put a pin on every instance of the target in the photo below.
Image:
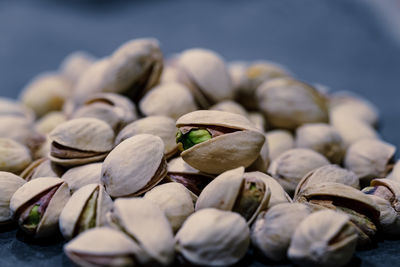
[325, 238]
[9, 183]
[134, 166]
[239, 144]
[37, 205]
[80, 176]
[14, 157]
[102, 246]
[147, 225]
[87, 208]
[161, 126]
[42, 167]
[212, 237]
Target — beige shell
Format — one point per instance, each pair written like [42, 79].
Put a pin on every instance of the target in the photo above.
[369, 158]
[258, 120]
[134, 166]
[9, 183]
[230, 106]
[278, 141]
[75, 206]
[290, 167]
[163, 127]
[225, 152]
[224, 191]
[42, 167]
[272, 231]
[325, 238]
[46, 93]
[27, 193]
[80, 176]
[288, 103]
[328, 173]
[213, 237]
[322, 138]
[262, 162]
[75, 64]
[14, 157]
[102, 245]
[50, 121]
[11, 107]
[205, 74]
[146, 223]
[175, 200]
[168, 99]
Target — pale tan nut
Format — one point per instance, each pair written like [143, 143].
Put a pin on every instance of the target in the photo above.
[80, 176]
[395, 173]
[9, 107]
[50, 121]
[325, 238]
[230, 106]
[258, 120]
[278, 141]
[75, 64]
[212, 237]
[42, 167]
[9, 183]
[14, 157]
[262, 162]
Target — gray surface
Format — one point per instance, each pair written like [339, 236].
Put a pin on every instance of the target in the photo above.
[343, 44]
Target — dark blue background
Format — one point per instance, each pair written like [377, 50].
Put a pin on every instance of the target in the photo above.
[345, 45]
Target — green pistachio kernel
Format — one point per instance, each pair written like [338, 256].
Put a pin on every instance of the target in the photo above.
[193, 137]
[33, 218]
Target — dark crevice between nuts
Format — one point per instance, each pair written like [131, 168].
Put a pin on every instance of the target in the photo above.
[195, 183]
[63, 152]
[87, 219]
[251, 194]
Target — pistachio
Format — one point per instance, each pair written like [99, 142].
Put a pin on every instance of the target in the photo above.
[262, 162]
[325, 238]
[14, 157]
[75, 64]
[134, 166]
[216, 141]
[9, 107]
[49, 121]
[80, 176]
[230, 106]
[9, 183]
[258, 120]
[213, 237]
[42, 167]
[278, 141]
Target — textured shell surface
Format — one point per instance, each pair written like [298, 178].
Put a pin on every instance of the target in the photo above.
[9, 183]
[80, 176]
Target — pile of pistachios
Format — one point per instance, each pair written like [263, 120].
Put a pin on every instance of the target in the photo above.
[141, 160]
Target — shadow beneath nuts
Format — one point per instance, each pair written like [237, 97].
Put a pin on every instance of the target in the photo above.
[355, 262]
[44, 242]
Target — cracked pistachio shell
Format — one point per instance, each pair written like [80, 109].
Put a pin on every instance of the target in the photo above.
[14, 157]
[9, 183]
[73, 212]
[145, 223]
[290, 167]
[174, 200]
[11, 107]
[50, 121]
[278, 141]
[322, 138]
[328, 173]
[205, 74]
[212, 237]
[230, 106]
[29, 194]
[116, 110]
[224, 152]
[42, 167]
[272, 231]
[102, 246]
[75, 64]
[80, 176]
[325, 238]
[46, 93]
[93, 138]
[134, 166]
[288, 103]
[225, 192]
[170, 99]
[161, 126]
[369, 158]
[258, 120]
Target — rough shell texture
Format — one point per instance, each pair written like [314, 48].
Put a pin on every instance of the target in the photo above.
[14, 157]
[278, 141]
[213, 238]
[9, 183]
[80, 176]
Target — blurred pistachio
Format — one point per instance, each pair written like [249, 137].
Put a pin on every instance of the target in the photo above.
[14, 157]
[49, 121]
[258, 120]
[278, 141]
[75, 64]
[9, 183]
[11, 107]
[230, 106]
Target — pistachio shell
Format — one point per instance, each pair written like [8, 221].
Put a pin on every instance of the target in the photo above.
[42, 167]
[230, 106]
[75, 64]
[50, 121]
[14, 157]
[213, 238]
[278, 141]
[9, 183]
[262, 162]
[134, 166]
[80, 176]
[10, 107]
[73, 210]
[258, 120]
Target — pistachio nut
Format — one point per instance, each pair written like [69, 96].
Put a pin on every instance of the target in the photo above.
[134, 166]
[161, 126]
[10, 107]
[234, 191]
[146, 224]
[205, 74]
[325, 238]
[262, 162]
[216, 141]
[322, 138]
[370, 158]
[37, 205]
[80, 141]
[288, 103]
[9, 183]
[290, 167]
[174, 200]
[42, 167]
[361, 209]
[86, 209]
[102, 246]
[170, 99]
[80, 176]
[75, 64]
[328, 173]
[212, 237]
[49, 121]
[230, 106]
[272, 231]
[258, 120]
[237, 71]
[278, 141]
[14, 157]
[170, 72]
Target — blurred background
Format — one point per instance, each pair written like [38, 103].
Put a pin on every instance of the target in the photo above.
[345, 45]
